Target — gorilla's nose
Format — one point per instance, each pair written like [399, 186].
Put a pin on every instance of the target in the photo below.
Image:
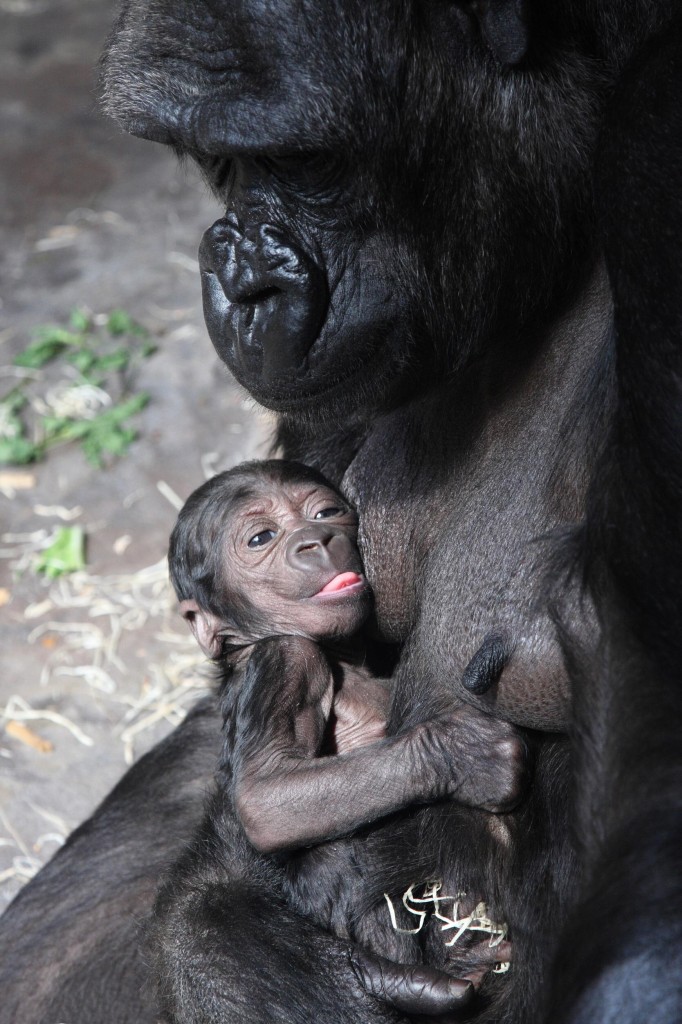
[308, 547]
[265, 300]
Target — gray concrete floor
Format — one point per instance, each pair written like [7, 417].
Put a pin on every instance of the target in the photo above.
[98, 666]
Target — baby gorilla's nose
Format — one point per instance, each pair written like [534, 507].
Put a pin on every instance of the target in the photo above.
[307, 547]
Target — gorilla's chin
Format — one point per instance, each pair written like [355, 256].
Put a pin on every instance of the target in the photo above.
[355, 360]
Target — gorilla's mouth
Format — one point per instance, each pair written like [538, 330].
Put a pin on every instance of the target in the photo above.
[340, 379]
[265, 300]
[287, 334]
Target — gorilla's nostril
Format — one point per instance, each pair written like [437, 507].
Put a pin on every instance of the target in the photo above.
[260, 296]
[273, 303]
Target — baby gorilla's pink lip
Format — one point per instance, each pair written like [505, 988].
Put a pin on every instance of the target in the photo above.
[341, 582]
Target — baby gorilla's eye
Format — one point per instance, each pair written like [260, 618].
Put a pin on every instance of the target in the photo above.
[259, 540]
[328, 513]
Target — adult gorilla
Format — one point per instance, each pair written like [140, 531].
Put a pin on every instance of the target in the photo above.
[413, 271]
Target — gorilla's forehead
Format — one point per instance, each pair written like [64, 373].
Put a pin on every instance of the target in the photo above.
[246, 75]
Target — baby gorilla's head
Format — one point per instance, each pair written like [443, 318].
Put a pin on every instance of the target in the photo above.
[265, 549]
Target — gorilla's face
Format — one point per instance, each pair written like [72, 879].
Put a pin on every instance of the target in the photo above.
[399, 186]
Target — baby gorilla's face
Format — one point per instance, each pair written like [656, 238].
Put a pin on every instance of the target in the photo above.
[291, 550]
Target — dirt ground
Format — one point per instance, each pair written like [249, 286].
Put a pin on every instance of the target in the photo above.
[96, 666]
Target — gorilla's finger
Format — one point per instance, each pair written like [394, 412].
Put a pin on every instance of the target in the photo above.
[414, 989]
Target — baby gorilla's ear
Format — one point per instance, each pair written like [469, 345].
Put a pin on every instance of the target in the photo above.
[205, 625]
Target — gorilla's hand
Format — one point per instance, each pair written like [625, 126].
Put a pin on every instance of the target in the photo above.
[412, 989]
[485, 759]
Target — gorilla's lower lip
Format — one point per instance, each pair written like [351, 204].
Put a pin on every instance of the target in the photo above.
[298, 393]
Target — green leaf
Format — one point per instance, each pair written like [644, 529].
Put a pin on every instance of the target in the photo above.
[120, 322]
[15, 447]
[50, 341]
[14, 402]
[79, 321]
[83, 360]
[90, 349]
[57, 428]
[17, 451]
[65, 554]
[117, 360]
[124, 409]
[115, 441]
[106, 432]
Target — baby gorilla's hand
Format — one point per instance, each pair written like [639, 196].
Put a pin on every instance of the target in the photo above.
[482, 761]
[359, 712]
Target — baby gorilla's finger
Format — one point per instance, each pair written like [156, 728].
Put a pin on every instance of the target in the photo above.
[413, 989]
[499, 953]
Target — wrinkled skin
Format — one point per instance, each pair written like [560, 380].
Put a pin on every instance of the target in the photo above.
[426, 265]
[255, 553]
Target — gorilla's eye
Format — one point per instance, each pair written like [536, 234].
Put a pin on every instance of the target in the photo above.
[218, 171]
[259, 540]
[329, 513]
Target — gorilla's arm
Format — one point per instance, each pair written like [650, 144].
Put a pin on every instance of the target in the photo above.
[69, 943]
[287, 796]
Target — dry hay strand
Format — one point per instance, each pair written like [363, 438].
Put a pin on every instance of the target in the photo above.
[91, 614]
[119, 604]
[429, 904]
[27, 862]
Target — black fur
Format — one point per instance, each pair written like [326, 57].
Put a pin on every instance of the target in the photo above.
[629, 699]
[337, 886]
[223, 894]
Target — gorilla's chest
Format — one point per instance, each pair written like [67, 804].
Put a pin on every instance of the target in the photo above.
[452, 535]
[448, 520]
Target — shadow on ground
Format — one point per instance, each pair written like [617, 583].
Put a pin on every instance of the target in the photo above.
[95, 666]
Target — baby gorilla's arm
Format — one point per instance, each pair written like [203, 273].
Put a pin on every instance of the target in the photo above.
[286, 796]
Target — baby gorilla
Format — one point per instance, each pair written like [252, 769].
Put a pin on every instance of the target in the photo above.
[264, 562]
